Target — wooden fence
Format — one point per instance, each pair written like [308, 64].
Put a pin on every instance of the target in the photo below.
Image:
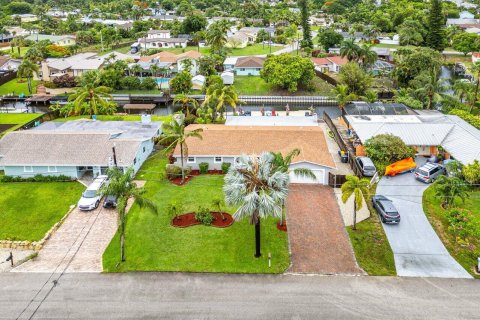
[326, 77]
[336, 180]
[336, 134]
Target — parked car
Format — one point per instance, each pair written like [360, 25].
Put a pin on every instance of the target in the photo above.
[366, 165]
[110, 202]
[386, 210]
[91, 197]
[429, 172]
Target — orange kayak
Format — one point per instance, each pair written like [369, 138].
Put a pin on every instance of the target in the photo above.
[400, 167]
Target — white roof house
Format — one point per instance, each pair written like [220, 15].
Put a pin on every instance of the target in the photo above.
[75, 65]
[456, 136]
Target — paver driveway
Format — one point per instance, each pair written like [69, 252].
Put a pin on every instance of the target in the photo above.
[417, 250]
[318, 240]
[78, 244]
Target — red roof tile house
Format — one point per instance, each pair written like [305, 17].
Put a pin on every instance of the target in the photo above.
[329, 64]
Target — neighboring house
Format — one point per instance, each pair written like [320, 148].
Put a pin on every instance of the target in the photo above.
[221, 143]
[320, 21]
[389, 40]
[146, 43]
[466, 15]
[76, 148]
[74, 66]
[357, 36]
[229, 63]
[228, 77]
[383, 53]
[193, 56]
[25, 17]
[168, 17]
[425, 133]
[248, 66]
[174, 61]
[252, 32]
[158, 34]
[8, 64]
[123, 24]
[329, 64]
[65, 40]
[238, 40]
[6, 37]
[460, 22]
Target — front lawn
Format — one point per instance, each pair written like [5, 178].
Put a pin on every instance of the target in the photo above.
[253, 50]
[129, 117]
[17, 87]
[371, 245]
[466, 250]
[16, 120]
[29, 209]
[255, 85]
[152, 244]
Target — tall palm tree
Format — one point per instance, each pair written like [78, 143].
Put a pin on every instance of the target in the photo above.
[186, 102]
[350, 50]
[137, 69]
[221, 96]
[154, 69]
[90, 94]
[175, 134]
[359, 188]
[434, 87]
[367, 55]
[282, 163]
[122, 186]
[257, 189]
[26, 70]
[216, 35]
[342, 95]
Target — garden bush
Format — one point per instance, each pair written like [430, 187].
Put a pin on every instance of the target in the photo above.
[149, 83]
[130, 83]
[37, 178]
[471, 172]
[226, 167]
[203, 166]
[204, 216]
[173, 171]
[385, 149]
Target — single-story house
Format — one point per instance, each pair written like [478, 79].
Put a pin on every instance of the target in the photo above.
[25, 17]
[65, 40]
[238, 40]
[329, 64]
[228, 77]
[8, 64]
[223, 143]
[248, 66]
[158, 34]
[76, 148]
[423, 132]
[229, 63]
[74, 66]
[466, 15]
[162, 43]
[455, 21]
[175, 60]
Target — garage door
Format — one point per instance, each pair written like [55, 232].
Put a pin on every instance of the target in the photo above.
[319, 173]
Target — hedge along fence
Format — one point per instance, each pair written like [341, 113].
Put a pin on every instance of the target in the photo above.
[35, 245]
[38, 178]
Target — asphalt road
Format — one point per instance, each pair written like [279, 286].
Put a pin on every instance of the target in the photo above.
[417, 250]
[218, 296]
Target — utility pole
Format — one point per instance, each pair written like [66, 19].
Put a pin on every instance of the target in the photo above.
[114, 156]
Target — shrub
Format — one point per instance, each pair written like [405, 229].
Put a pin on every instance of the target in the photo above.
[226, 167]
[462, 223]
[130, 83]
[203, 166]
[65, 81]
[471, 172]
[37, 178]
[173, 171]
[204, 216]
[149, 83]
[384, 149]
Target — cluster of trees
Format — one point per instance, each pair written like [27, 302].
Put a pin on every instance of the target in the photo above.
[288, 72]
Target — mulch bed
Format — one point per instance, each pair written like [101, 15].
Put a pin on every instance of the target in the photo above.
[282, 227]
[5, 127]
[188, 219]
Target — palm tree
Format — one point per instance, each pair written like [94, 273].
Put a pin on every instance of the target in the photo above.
[19, 42]
[175, 134]
[367, 55]
[221, 96]
[359, 188]
[342, 96]
[122, 186]
[282, 164]
[216, 35]
[350, 49]
[257, 189]
[90, 94]
[186, 102]
[434, 87]
[197, 37]
[449, 188]
[476, 69]
[34, 55]
[154, 69]
[26, 70]
[137, 69]
[370, 96]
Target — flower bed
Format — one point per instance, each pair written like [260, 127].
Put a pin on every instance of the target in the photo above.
[188, 219]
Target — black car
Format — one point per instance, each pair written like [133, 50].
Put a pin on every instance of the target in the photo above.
[386, 210]
[110, 202]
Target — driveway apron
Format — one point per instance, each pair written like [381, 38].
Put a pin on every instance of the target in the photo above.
[417, 249]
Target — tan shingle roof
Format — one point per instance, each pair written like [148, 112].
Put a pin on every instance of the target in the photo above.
[163, 56]
[250, 62]
[221, 140]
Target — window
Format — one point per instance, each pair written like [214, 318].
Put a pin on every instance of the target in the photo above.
[28, 169]
[217, 159]
[52, 168]
[242, 69]
[143, 149]
[135, 161]
[191, 160]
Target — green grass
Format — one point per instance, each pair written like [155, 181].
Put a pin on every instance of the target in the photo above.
[130, 117]
[16, 87]
[18, 119]
[29, 209]
[153, 91]
[152, 244]
[466, 255]
[255, 85]
[8, 50]
[254, 49]
[371, 246]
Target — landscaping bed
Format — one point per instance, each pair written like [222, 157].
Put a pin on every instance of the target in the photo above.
[460, 236]
[220, 220]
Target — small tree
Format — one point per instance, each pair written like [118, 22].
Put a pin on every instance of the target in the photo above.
[359, 188]
[217, 203]
[328, 38]
[355, 78]
[471, 172]
[385, 149]
[450, 188]
[173, 209]
[465, 42]
[181, 83]
[288, 72]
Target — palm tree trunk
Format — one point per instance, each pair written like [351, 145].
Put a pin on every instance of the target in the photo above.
[181, 157]
[354, 227]
[257, 239]
[29, 80]
[282, 219]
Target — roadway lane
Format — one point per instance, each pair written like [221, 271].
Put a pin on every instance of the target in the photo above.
[219, 296]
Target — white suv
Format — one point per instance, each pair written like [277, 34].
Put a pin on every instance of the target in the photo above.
[91, 197]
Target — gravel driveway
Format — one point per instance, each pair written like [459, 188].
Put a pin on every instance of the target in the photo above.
[418, 251]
